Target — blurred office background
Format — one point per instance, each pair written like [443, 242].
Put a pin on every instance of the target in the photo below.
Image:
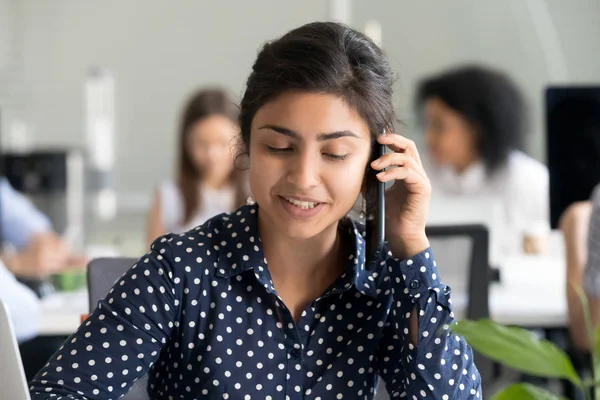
[104, 82]
[158, 52]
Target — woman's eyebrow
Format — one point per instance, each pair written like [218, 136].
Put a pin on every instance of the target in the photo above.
[321, 137]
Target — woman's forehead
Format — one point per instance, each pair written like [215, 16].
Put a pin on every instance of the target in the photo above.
[311, 115]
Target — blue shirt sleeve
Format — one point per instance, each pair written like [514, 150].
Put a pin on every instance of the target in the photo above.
[19, 219]
[22, 303]
[441, 365]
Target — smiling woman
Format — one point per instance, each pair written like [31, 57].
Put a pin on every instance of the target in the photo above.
[277, 300]
[300, 146]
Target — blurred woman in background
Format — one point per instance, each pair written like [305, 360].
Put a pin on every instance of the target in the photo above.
[475, 120]
[206, 183]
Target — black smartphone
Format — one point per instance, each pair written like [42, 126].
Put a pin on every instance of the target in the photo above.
[375, 206]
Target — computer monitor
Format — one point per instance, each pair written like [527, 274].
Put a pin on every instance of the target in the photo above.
[37, 172]
[573, 145]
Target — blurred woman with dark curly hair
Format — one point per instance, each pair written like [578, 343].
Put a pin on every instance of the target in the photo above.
[475, 120]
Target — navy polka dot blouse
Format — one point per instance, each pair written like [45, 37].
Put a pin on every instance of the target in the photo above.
[200, 316]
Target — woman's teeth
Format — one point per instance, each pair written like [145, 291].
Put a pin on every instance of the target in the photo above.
[305, 205]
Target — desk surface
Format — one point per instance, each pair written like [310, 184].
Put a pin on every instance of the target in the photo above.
[61, 312]
[531, 294]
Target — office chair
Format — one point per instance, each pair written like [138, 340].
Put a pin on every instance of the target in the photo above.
[474, 263]
[102, 274]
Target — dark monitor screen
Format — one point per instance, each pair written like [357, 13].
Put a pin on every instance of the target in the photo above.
[573, 145]
[36, 172]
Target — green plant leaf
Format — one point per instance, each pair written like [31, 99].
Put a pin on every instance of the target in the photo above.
[596, 362]
[517, 348]
[525, 391]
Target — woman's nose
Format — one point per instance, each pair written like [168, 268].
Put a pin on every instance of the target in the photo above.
[304, 171]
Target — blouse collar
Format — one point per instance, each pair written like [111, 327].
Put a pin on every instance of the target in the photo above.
[242, 252]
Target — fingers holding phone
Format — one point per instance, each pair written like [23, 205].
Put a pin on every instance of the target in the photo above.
[407, 201]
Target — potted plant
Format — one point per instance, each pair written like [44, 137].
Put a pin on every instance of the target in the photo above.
[521, 350]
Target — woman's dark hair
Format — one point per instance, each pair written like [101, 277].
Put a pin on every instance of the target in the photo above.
[201, 105]
[489, 101]
[323, 57]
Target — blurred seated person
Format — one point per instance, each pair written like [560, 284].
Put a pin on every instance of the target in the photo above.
[580, 225]
[207, 184]
[31, 250]
[475, 121]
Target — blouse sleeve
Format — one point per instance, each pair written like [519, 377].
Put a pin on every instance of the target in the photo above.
[121, 339]
[441, 365]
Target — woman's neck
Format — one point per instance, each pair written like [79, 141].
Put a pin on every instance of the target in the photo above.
[215, 184]
[302, 270]
[466, 163]
[316, 259]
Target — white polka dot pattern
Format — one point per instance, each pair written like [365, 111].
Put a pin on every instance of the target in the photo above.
[200, 316]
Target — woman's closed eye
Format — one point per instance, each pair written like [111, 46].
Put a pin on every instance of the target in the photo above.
[337, 157]
[332, 156]
[278, 149]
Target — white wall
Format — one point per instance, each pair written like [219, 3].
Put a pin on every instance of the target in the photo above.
[11, 96]
[529, 39]
[160, 51]
[6, 18]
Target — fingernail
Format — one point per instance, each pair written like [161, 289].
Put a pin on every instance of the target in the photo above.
[375, 163]
[379, 175]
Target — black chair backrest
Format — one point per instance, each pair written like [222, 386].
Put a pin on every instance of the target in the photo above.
[102, 274]
[478, 270]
